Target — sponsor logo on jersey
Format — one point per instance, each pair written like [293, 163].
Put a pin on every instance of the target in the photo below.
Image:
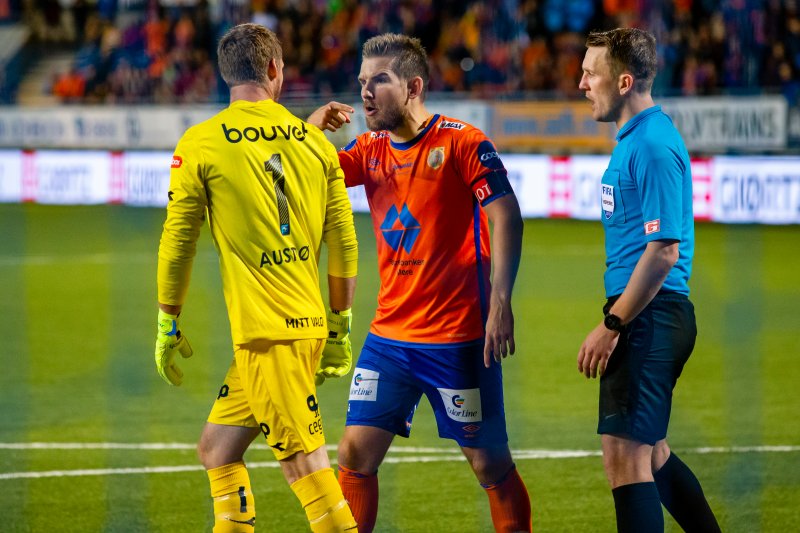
[315, 426]
[488, 156]
[373, 163]
[305, 322]
[177, 161]
[654, 226]
[607, 199]
[444, 125]
[266, 431]
[403, 166]
[253, 134]
[364, 386]
[378, 134]
[436, 157]
[284, 255]
[400, 229]
[471, 428]
[462, 405]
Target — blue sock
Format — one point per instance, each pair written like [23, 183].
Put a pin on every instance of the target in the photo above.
[682, 495]
[638, 508]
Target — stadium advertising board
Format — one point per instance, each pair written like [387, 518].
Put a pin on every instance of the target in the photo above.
[763, 190]
[10, 176]
[143, 178]
[549, 126]
[726, 189]
[114, 128]
[719, 125]
[529, 176]
[66, 177]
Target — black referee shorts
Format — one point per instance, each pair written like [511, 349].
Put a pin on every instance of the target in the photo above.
[636, 387]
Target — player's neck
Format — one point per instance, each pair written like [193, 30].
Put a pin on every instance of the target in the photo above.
[415, 121]
[634, 105]
[250, 93]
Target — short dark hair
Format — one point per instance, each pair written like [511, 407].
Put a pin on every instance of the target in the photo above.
[629, 49]
[410, 59]
[244, 53]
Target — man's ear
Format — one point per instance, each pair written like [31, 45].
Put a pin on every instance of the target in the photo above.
[625, 83]
[415, 87]
[272, 69]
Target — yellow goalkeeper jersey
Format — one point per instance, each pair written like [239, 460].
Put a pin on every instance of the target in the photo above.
[273, 190]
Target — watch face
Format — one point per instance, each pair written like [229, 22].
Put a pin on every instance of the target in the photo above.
[613, 322]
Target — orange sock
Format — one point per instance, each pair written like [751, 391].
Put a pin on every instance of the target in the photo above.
[361, 492]
[509, 503]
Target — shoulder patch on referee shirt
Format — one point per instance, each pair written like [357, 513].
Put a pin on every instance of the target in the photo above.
[177, 161]
[654, 226]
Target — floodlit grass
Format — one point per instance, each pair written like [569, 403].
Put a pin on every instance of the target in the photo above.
[77, 287]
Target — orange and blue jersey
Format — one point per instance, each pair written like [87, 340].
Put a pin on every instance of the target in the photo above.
[425, 198]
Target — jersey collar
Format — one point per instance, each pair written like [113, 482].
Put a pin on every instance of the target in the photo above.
[636, 120]
[408, 144]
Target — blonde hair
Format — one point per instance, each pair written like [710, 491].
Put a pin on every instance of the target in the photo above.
[629, 49]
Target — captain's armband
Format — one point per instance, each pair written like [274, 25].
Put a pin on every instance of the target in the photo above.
[491, 186]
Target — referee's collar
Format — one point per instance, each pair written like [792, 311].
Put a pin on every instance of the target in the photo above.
[635, 120]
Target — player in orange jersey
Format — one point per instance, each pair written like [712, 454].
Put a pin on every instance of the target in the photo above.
[442, 325]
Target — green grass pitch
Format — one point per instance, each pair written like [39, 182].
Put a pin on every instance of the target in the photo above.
[77, 294]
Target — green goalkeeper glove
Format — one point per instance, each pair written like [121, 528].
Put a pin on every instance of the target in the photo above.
[169, 341]
[337, 356]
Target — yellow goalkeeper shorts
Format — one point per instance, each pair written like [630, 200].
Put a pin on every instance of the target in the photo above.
[270, 385]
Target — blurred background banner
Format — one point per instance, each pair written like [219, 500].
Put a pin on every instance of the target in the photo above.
[103, 127]
[730, 124]
[740, 189]
[564, 127]
[708, 125]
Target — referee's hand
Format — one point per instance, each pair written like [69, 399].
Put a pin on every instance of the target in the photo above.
[595, 351]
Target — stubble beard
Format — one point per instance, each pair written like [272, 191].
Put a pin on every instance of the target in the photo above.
[613, 112]
[389, 118]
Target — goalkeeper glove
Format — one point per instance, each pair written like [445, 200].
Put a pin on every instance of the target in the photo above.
[169, 341]
[337, 355]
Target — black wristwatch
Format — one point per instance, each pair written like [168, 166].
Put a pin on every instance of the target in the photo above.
[613, 323]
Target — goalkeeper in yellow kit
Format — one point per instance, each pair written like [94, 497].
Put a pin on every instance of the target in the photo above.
[273, 191]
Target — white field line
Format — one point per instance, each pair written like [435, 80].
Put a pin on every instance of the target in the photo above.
[415, 455]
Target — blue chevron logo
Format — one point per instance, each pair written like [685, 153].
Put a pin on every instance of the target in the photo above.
[400, 229]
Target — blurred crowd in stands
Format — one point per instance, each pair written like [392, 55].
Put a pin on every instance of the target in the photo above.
[150, 51]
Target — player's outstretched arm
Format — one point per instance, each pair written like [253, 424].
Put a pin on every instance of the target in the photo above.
[506, 219]
[331, 116]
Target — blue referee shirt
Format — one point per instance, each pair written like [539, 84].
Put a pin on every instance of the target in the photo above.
[646, 195]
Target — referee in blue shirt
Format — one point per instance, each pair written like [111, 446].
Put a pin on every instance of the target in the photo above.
[648, 330]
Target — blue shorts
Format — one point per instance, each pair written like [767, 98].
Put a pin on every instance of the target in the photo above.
[467, 398]
[636, 387]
